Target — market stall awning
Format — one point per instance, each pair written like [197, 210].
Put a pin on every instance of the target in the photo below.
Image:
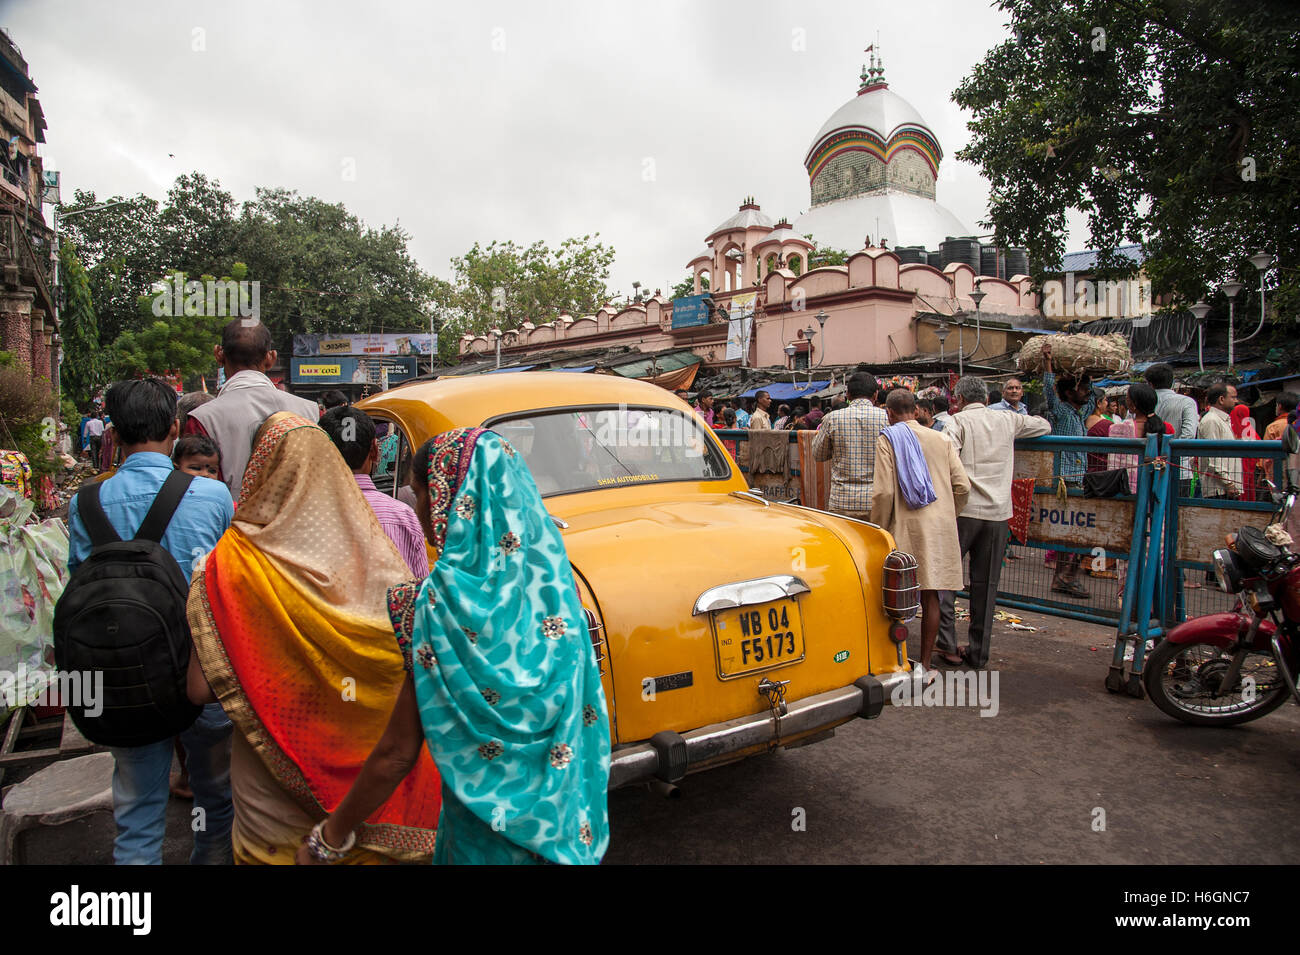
[835, 391]
[502, 371]
[674, 370]
[784, 391]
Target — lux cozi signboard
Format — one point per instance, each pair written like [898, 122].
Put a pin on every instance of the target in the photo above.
[350, 370]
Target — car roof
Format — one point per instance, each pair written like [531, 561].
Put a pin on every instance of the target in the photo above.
[435, 406]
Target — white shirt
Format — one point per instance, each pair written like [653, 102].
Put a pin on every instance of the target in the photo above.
[985, 441]
[1222, 475]
[95, 427]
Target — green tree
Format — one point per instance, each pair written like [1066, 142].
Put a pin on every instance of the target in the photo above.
[687, 286]
[503, 285]
[319, 267]
[82, 369]
[1171, 124]
[323, 270]
[179, 341]
[122, 252]
[197, 226]
[819, 257]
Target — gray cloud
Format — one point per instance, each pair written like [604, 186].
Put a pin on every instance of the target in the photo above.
[469, 123]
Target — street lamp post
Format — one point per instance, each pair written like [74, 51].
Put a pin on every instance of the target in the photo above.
[1261, 261]
[1231, 289]
[1200, 310]
[941, 333]
[810, 333]
[976, 296]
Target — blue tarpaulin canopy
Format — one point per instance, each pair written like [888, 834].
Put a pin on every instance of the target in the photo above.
[502, 371]
[784, 391]
[580, 368]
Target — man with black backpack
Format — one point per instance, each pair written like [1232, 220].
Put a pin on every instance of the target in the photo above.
[134, 538]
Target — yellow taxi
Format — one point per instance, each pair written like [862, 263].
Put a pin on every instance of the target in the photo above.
[726, 625]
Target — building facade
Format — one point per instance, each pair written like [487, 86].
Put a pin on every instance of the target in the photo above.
[28, 324]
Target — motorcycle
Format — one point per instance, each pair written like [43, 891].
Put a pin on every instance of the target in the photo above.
[1222, 669]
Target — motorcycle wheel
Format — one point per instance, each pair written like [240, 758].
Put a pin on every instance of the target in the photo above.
[1183, 679]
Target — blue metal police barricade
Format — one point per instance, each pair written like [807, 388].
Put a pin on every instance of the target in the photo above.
[1106, 532]
[1158, 540]
[1176, 581]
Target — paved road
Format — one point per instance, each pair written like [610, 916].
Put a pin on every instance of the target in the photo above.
[945, 785]
[949, 786]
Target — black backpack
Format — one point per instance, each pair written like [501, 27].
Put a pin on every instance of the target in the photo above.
[123, 614]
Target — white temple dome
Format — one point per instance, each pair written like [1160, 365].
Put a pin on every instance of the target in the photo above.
[748, 217]
[872, 170]
[898, 217]
[880, 109]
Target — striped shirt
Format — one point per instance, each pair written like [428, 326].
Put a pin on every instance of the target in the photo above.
[1067, 421]
[847, 438]
[399, 523]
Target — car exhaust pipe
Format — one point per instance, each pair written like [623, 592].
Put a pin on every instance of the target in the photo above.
[667, 790]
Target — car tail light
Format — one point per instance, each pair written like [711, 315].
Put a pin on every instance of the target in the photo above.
[596, 630]
[902, 595]
[898, 633]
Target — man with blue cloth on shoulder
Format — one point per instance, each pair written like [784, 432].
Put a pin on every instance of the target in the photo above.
[920, 486]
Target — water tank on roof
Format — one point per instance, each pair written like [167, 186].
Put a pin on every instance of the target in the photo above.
[989, 261]
[934, 260]
[1017, 262]
[965, 250]
[911, 254]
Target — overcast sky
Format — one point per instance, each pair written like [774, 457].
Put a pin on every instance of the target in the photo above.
[646, 122]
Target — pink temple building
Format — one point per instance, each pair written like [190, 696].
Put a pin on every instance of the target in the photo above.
[910, 270]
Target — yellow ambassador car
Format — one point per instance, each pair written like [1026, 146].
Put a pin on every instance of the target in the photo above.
[725, 625]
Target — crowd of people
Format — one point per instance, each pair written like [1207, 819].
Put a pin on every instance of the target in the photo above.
[356, 707]
[941, 480]
[356, 704]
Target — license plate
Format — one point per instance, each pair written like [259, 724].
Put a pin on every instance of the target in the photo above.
[751, 639]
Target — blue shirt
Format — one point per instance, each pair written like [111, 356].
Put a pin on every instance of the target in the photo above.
[1005, 406]
[742, 418]
[201, 518]
[1067, 421]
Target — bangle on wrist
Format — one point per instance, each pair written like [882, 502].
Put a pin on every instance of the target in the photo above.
[322, 851]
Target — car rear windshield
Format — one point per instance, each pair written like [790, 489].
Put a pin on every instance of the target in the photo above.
[590, 449]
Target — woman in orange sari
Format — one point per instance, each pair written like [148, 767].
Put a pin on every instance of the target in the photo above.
[292, 635]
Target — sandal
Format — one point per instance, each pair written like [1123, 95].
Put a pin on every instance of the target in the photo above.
[945, 659]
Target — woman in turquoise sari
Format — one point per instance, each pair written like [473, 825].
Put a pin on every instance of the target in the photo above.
[502, 682]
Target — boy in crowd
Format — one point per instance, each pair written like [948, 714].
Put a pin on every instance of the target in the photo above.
[197, 454]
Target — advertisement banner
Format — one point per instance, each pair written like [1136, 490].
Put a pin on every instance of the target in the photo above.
[315, 371]
[349, 369]
[388, 343]
[739, 325]
[691, 311]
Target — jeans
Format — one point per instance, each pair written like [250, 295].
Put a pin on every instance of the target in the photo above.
[141, 787]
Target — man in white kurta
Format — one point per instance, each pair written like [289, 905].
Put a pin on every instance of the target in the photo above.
[928, 533]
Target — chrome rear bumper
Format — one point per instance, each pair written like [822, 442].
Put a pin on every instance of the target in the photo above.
[668, 756]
